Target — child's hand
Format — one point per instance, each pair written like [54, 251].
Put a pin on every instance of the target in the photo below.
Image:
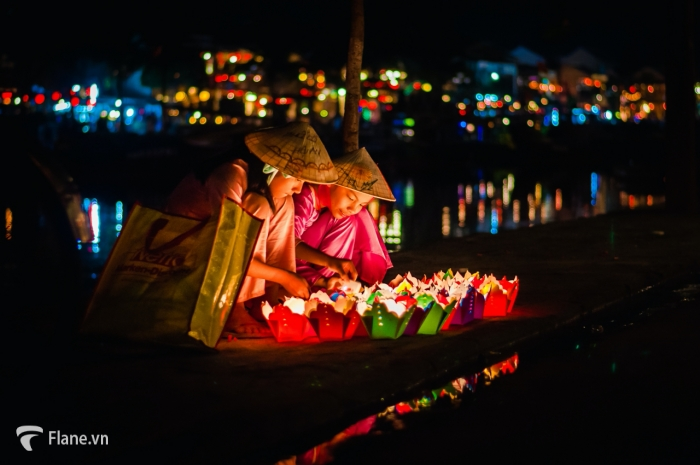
[334, 282]
[296, 285]
[345, 268]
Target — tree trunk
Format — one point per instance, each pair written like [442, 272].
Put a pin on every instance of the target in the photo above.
[681, 170]
[351, 120]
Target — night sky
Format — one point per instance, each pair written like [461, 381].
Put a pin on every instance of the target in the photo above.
[422, 34]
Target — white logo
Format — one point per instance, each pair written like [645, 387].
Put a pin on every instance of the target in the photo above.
[27, 437]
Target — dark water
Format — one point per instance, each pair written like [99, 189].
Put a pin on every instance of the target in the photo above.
[617, 388]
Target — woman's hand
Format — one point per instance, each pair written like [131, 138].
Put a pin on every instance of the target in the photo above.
[345, 268]
[296, 285]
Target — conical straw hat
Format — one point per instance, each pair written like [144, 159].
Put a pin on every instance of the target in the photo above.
[296, 150]
[357, 171]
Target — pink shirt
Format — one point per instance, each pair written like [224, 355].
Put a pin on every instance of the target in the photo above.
[354, 237]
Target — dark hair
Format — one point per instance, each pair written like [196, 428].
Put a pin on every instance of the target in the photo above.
[257, 180]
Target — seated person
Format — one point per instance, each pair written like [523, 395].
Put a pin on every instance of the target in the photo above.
[291, 155]
[337, 238]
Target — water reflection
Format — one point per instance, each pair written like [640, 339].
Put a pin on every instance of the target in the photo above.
[480, 207]
[451, 393]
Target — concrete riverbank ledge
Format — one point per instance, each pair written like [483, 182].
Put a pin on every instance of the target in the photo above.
[254, 399]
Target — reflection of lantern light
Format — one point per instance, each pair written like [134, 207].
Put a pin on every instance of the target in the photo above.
[8, 224]
[482, 189]
[494, 220]
[481, 212]
[531, 207]
[557, 200]
[462, 213]
[468, 194]
[650, 200]
[489, 189]
[506, 193]
[594, 188]
[516, 211]
[445, 221]
[538, 194]
[409, 196]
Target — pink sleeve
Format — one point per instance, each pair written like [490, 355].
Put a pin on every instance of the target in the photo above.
[228, 180]
[304, 212]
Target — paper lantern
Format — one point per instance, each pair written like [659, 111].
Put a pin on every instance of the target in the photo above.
[385, 319]
[429, 316]
[511, 287]
[469, 308]
[332, 325]
[288, 322]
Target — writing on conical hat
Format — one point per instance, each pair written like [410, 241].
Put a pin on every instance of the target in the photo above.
[295, 150]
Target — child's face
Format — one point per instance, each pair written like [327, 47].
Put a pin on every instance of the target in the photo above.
[346, 202]
[281, 187]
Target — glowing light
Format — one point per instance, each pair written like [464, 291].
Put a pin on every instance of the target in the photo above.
[516, 211]
[197, 114]
[304, 111]
[594, 188]
[479, 97]
[494, 220]
[192, 120]
[481, 211]
[251, 97]
[218, 120]
[257, 78]
[204, 95]
[506, 121]
[323, 113]
[489, 189]
[531, 213]
[342, 92]
[445, 221]
[262, 113]
[557, 200]
[470, 127]
[469, 194]
[608, 114]
[516, 105]
[426, 87]
[495, 76]
[180, 96]
[94, 215]
[410, 122]
[506, 193]
[206, 55]
[363, 76]
[39, 99]
[241, 77]
[446, 98]
[530, 123]
[538, 194]
[233, 59]
[373, 93]
[263, 101]
[645, 107]
[130, 112]
[482, 190]
[650, 89]
[118, 103]
[409, 194]
[202, 120]
[544, 101]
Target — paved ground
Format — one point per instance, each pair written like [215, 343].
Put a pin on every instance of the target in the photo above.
[253, 401]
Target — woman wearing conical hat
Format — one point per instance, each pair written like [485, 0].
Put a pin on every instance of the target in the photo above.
[337, 237]
[287, 157]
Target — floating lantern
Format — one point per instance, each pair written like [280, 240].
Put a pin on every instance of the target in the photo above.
[429, 315]
[332, 325]
[385, 319]
[469, 308]
[288, 321]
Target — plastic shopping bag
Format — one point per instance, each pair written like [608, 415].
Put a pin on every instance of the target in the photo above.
[169, 276]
